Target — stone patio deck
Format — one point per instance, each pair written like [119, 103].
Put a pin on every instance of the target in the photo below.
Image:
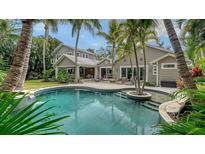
[114, 86]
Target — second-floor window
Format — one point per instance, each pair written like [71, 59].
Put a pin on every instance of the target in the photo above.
[86, 56]
[78, 54]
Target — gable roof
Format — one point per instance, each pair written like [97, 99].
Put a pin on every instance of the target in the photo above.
[162, 57]
[106, 58]
[162, 49]
[80, 61]
[67, 46]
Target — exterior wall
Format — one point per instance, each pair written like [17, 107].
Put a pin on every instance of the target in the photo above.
[151, 77]
[65, 62]
[151, 54]
[167, 74]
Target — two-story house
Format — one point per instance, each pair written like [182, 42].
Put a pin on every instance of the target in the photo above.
[161, 64]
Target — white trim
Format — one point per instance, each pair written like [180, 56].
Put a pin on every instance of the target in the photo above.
[162, 57]
[162, 66]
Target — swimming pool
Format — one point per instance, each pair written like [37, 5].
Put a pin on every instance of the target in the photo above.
[100, 113]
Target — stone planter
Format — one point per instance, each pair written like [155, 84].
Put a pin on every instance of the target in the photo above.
[145, 97]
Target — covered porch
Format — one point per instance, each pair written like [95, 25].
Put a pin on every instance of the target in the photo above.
[83, 72]
[86, 68]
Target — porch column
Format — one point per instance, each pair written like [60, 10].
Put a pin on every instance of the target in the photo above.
[96, 73]
[56, 72]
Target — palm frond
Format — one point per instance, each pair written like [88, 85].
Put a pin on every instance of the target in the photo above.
[29, 120]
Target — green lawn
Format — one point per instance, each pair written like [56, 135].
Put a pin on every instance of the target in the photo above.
[35, 84]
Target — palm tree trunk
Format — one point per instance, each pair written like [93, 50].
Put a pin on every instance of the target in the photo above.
[181, 63]
[21, 82]
[76, 49]
[132, 70]
[138, 91]
[44, 46]
[131, 65]
[145, 69]
[22, 51]
[113, 54]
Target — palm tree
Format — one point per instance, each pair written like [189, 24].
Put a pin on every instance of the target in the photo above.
[88, 24]
[128, 34]
[53, 24]
[112, 37]
[146, 32]
[22, 50]
[181, 63]
[54, 28]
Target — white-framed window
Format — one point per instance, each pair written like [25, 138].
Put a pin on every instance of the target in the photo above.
[154, 69]
[78, 54]
[86, 56]
[168, 66]
[124, 72]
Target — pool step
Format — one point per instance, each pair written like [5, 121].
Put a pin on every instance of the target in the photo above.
[148, 104]
[151, 105]
[121, 94]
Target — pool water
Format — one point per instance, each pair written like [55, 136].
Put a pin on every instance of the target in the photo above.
[100, 113]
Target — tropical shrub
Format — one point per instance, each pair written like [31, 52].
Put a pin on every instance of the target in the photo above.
[71, 78]
[48, 74]
[200, 80]
[196, 71]
[63, 76]
[30, 120]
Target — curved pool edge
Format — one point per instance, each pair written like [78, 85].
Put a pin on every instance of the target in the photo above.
[162, 108]
[36, 91]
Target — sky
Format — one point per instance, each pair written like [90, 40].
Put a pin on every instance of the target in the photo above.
[87, 40]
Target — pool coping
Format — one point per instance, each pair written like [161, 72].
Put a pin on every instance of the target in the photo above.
[162, 108]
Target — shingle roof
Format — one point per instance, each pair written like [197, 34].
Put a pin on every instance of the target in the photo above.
[80, 60]
[67, 46]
